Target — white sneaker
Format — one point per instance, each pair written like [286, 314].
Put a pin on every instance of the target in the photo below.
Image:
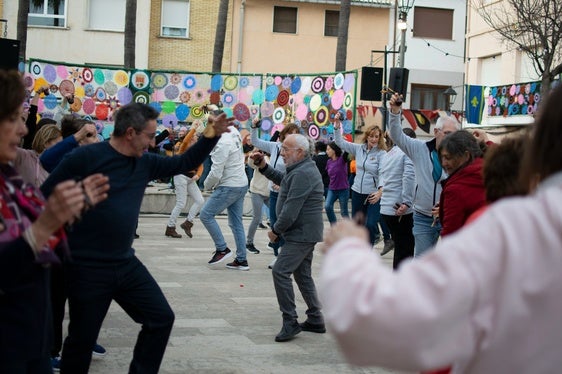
[270, 266]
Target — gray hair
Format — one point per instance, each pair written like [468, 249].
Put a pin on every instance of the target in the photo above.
[135, 115]
[444, 119]
[304, 143]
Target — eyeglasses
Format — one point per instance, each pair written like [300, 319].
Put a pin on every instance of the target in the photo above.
[445, 132]
[151, 135]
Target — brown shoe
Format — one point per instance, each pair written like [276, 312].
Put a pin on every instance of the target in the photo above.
[186, 226]
[171, 231]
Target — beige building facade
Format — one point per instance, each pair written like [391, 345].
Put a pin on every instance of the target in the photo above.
[489, 60]
[492, 63]
[258, 47]
[253, 46]
[81, 32]
[180, 34]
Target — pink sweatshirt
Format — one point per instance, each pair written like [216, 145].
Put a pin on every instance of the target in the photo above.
[487, 300]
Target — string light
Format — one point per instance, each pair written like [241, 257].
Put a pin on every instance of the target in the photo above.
[443, 51]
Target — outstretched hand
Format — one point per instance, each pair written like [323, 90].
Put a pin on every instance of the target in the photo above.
[395, 103]
[87, 134]
[217, 125]
[343, 229]
[258, 158]
[337, 121]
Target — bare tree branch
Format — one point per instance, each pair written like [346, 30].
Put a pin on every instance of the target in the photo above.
[532, 26]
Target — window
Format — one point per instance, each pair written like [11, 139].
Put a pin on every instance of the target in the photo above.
[285, 19]
[331, 23]
[47, 13]
[107, 15]
[427, 97]
[433, 23]
[490, 70]
[175, 18]
[527, 71]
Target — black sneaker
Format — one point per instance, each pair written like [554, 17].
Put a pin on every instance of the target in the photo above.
[237, 265]
[318, 328]
[55, 364]
[288, 332]
[98, 351]
[250, 247]
[220, 256]
[262, 226]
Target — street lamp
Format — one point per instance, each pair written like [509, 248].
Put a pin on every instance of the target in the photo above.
[450, 96]
[403, 9]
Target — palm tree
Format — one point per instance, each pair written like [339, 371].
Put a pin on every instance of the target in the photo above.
[23, 10]
[343, 26]
[130, 33]
[220, 36]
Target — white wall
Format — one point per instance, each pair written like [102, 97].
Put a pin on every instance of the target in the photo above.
[428, 64]
[76, 44]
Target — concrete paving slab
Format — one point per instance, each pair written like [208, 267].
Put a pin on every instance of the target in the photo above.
[226, 320]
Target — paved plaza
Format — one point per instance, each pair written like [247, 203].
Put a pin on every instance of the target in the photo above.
[226, 320]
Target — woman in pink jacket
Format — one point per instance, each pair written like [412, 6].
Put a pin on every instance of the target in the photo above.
[487, 300]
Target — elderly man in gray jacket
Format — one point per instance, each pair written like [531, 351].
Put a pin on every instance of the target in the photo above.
[299, 222]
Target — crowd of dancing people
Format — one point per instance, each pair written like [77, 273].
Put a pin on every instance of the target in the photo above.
[474, 227]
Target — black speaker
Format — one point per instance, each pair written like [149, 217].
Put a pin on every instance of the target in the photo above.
[398, 80]
[371, 83]
[9, 53]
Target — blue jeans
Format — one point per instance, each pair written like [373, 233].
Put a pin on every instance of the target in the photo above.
[231, 199]
[206, 169]
[273, 196]
[333, 195]
[371, 213]
[425, 235]
[258, 201]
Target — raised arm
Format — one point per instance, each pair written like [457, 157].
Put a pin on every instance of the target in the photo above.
[346, 146]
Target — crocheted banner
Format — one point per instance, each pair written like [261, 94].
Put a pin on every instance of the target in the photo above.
[310, 101]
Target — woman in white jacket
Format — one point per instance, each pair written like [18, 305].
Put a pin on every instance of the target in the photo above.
[366, 194]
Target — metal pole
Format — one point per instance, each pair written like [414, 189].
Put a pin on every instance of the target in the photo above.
[384, 116]
[240, 37]
[402, 46]
[386, 52]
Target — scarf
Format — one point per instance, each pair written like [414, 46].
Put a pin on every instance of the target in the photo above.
[20, 204]
[437, 168]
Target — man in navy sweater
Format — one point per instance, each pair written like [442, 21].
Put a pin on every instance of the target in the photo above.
[103, 266]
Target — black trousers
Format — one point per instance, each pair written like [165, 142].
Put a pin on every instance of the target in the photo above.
[401, 231]
[58, 301]
[39, 366]
[90, 292]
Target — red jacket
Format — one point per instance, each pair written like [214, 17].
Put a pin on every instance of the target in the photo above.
[463, 193]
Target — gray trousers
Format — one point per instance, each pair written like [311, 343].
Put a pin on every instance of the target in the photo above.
[296, 259]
